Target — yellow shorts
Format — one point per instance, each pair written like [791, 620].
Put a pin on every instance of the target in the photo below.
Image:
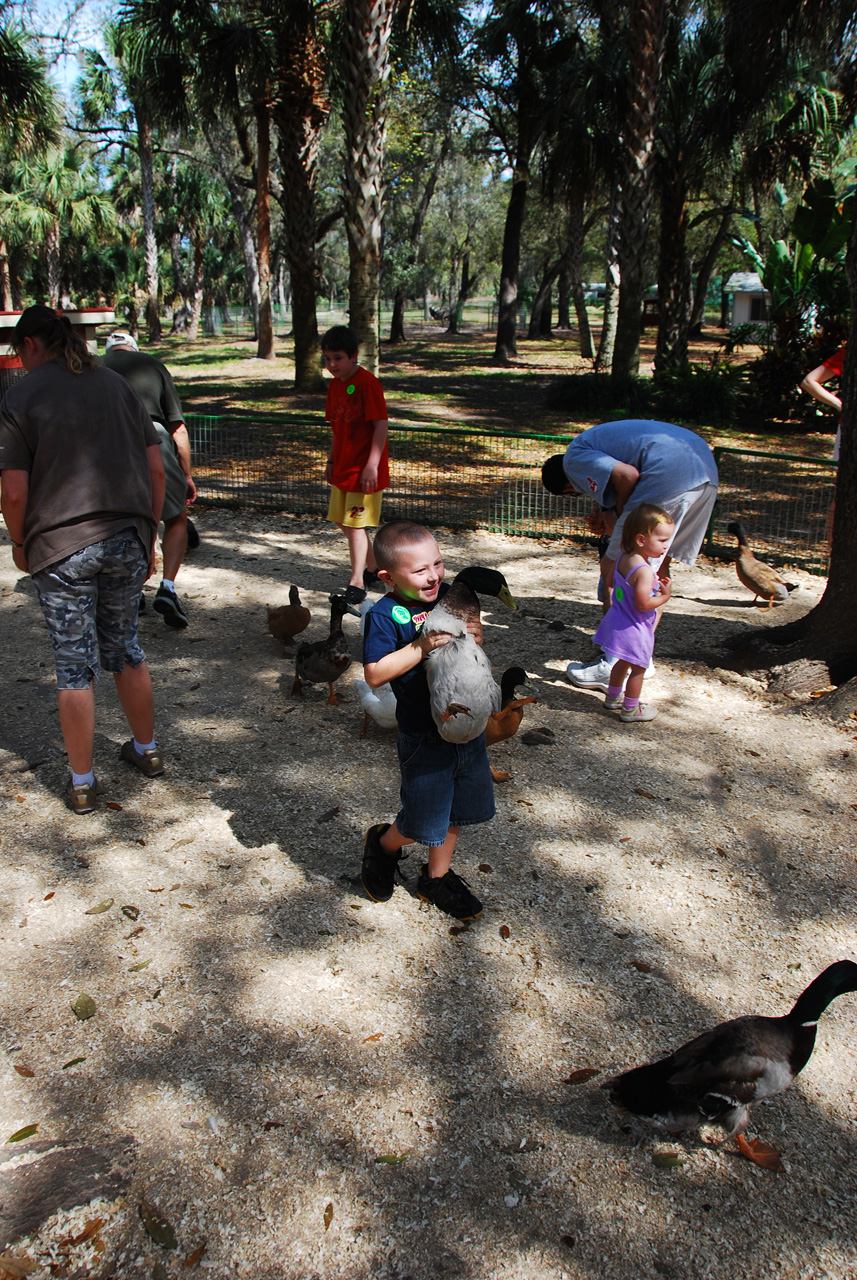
[354, 510]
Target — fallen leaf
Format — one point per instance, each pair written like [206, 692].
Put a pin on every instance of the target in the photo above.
[83, 1007]
[505, 931]
[102, 906]
[26, 1072]
[265, 882]
[376, 1036]
[455, 929]
[135, 968]
[159, 1272]
[27, 1132]
[328, 815]
[647, 794]
[624, 839]
[273, 1124]
[666, 1159]
[193, 1258]
[328, 1215]
[140, 840]
[189, 905]
[15, 1265]
[155, 890]
[486, 867]
[173, 887]
[582, 1074]
[135, 933]
[163, 1028]
[157, 1227]
[72, 1063]
[750, 752]
[20, 799]
[760, 1153]
[391, 1159]
[722, 852]
[111, 804]
[642, 966]
[132, 912]
[48, 896]
[89, 1230]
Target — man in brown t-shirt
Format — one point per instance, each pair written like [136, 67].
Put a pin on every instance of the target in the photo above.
[81, 487]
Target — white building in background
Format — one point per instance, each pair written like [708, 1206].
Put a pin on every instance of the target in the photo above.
[751, 301]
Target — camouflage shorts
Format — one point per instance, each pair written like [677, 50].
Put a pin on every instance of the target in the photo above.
[90, 601]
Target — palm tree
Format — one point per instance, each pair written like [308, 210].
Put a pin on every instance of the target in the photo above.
[52, 191]
[29, 109]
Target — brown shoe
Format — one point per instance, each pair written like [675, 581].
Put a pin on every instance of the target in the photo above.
[151, 762]
[81, 798]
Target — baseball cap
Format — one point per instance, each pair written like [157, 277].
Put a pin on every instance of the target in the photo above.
[121, 339]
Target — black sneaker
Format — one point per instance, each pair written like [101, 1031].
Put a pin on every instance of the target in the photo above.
[354, 595]
[450, 894]
[166, 602]
[192, 536]
[378, 872]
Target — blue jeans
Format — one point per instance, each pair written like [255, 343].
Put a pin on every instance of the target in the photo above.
[90, 601]
[444, 784]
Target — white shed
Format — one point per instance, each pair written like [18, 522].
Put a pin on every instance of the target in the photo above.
[750, 299]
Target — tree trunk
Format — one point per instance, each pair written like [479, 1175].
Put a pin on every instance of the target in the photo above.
[197, 290]
[604, 358]
[576, 238]
[506, 348]
[52, 263]
[5, 283]
[397, 320]
[646, 36]
[261, 110]
[465, 289]
[18, 263]
[244, 222]
[147, 202]
[674, 283]
[368, 25]
[563, 301]
[829, 632]
[542, 300]
[703, 276]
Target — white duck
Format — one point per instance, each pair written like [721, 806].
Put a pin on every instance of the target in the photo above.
[378, 704]
[464, 693]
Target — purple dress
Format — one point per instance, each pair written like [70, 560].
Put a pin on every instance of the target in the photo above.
[625, 632]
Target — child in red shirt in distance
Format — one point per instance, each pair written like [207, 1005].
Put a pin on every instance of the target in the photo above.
[358, 466]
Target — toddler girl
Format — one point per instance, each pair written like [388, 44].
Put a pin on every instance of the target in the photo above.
[627, 630]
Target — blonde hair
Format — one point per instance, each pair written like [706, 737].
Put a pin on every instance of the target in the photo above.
[57, 335]
[642, 519]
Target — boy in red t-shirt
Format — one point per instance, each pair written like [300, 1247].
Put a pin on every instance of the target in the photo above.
[358, 466]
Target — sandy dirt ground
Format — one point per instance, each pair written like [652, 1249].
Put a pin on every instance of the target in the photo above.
[306, 1084]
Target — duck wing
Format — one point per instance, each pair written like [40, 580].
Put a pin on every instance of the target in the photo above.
[462, 690]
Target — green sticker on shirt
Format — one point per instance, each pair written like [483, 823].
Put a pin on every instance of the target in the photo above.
[620, 594]
[400, 614]
[350, 389]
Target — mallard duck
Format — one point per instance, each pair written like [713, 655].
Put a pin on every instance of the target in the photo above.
[505, 723]
[324, 661]
[754, 574]
[378, 704]
[462, 689]
[716, 1078]
[285, 621]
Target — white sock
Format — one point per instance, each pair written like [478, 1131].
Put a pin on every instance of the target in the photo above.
[141, 747]
[82, 779]
[169, 583]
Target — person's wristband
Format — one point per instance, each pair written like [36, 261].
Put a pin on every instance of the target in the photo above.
[16, 544]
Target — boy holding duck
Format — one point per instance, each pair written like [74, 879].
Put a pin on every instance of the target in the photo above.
[445, 784]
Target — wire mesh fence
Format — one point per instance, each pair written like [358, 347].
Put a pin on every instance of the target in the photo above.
[465, 479]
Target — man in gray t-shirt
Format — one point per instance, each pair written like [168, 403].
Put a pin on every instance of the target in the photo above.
[622, 464]
[154, 385]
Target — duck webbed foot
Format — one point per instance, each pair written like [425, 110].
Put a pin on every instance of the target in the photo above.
[759, 1152]
[332, 701]
[498, 775]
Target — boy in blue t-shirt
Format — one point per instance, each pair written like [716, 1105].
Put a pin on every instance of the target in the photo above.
[445, 785]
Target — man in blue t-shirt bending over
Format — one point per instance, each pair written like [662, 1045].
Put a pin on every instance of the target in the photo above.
[621, 464]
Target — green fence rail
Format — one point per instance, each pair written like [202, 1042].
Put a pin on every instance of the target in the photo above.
[465, 479]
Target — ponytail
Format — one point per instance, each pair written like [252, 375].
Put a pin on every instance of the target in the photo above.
[57, 335]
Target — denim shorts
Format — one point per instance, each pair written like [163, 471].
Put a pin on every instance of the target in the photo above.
[444, 784]
[90, 601]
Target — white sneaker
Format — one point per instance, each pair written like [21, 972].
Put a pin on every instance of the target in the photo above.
[643, 712]
[591, 675]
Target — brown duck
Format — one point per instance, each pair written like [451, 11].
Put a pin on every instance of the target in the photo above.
[754, 574]
[285, 621]
[505, 723]
[324, 661]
